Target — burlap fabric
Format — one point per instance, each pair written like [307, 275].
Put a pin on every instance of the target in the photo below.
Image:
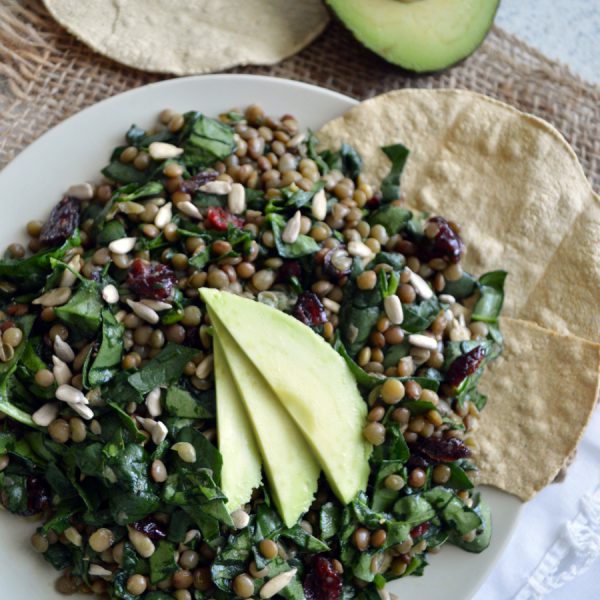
[47, 75]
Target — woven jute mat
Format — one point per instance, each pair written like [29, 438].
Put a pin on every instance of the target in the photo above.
[47, 75]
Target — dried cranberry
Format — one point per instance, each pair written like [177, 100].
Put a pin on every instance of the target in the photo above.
[38, 494]
[322, 582]
[446, 243]
[442, 449]
[288, 270]
[194, 183]
[220, 219]
[419, 530]
[309, 310]
[151, 280]
[62, 222]
[464, 365]
[374, 202]
[151, 528]
[337, 263]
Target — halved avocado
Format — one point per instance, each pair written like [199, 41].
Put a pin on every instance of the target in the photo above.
[310, 380]
[292, 471]
[418, 35]
[241, 472]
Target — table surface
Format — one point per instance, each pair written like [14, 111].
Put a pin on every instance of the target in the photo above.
[564, 30]
[567, 31]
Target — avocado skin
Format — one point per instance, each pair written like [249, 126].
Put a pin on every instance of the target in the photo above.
[355, 15]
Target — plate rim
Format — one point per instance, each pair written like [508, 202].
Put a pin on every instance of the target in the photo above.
[206, 80]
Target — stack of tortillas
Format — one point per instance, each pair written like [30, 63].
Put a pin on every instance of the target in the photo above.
[186, 37]
[524, 204]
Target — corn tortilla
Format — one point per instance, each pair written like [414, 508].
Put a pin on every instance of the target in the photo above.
[184, 38]
[509, 179]
[542, 392]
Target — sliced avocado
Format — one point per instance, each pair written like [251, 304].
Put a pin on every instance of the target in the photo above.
[241, 471]
[292, 471]
[310, 379]
[419, 35]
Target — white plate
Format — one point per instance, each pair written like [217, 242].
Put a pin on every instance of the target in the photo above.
[73, 152]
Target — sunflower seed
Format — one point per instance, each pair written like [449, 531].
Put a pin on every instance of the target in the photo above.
[110, 294]
[205, 367]
[123, 245]
[296, 140]
[331, 305]
[319, 205]
[131, 208]
[189, 209]
[216, 187]
[159, 433]
[420, 285]
[62, 373]
[186, 452]
[157, 305]
[144, 312]
[74, 536]
[85, 412]
[98, 571]
[447, 299]
[164, 216]
[142, 543]
[70, 395]
[236, 200]
[147, 424]
[44, 415]
[153, 403]
[63, 350]
[69, 277]
[359, 249]
[278, 583]
[163, 151]
[240, 519]
[292, 229]
[393, 309]
[81, 191]
[56, 297]
[191, 535]
[422, 341]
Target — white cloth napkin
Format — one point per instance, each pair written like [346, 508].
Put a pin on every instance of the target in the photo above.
[555, 551]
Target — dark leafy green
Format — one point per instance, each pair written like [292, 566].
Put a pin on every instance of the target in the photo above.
[392, 217]
[83, 310]
[489, 305]
[206, 140]
[390, 186]
[30, 273]
[163, 369]
[180, 402]
[109, 354]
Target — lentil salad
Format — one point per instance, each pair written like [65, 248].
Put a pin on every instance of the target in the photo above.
[108, 317]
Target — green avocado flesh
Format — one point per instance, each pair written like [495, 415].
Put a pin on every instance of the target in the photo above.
[241, 472]
[311, 381]
[418, 35]
[291, 469]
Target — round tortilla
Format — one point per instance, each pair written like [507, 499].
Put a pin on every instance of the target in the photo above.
[200, 36]
[509, 179]
[542, 392]
[524, 205]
